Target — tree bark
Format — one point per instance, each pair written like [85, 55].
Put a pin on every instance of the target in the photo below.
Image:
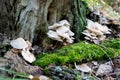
[30, 18]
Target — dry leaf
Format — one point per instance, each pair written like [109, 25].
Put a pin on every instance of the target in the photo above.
[104, 69]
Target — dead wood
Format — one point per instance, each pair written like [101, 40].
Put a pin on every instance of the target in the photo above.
[18, 64]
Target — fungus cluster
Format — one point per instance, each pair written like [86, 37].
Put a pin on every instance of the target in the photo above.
[61, 32]
[24, 46]
[95, 31]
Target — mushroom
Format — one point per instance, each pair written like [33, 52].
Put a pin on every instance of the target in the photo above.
[87, 38]
[95, 31]
[87, 33]
[61, 32]
[62, 29]
[102, 37]
[70, 33]
[65, 23]
[21, 44]
[67, 37]
[83, 68]
[65, 33]
[53, 35]
[102, 28]
[61, 23]
[54, 26]
[28, 56]
[41, 77]
[29, 45]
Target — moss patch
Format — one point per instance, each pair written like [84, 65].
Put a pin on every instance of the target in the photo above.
[80, 51]
[113, 43]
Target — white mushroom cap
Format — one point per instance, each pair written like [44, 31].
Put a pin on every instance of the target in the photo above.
[19, 43]
[83, 68]
[28, 56]
[30, 76]
[29, 43]
[93, 34]
[53, 35]
[57, 25]
[90, 23]
[65, 33]
[64, 23]
[95, 30]
[62, 29]
[95, 25]
[87, 33]
[67, 37]
[101, 38]
[102, 28]
[61, 32]
[54, 26]
[42, 77]
[72, 37]
[70, 33]
[87, 38]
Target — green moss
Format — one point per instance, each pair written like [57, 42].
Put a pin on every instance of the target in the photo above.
[80, 51]
[114, 43]
[80, 18]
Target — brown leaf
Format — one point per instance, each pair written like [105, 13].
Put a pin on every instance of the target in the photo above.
[104, 69]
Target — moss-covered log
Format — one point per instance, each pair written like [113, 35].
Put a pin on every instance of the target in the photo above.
[79, 52]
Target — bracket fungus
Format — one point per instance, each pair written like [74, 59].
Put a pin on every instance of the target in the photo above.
[95, 31]
[21, 44]
[61, 32]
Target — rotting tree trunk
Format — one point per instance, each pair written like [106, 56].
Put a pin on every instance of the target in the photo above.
[30, 18]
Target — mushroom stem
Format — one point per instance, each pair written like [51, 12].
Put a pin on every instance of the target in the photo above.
[27, 55]
[82, 74]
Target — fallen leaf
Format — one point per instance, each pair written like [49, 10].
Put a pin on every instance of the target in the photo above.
[104, 69]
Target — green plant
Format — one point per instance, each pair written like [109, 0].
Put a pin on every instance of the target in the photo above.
[113, 43]
[78, 76]
[80, 18]
[80, 51]
[3, 77]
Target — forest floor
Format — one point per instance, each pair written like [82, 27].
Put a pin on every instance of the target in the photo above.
[89, 61]
[107, 69]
